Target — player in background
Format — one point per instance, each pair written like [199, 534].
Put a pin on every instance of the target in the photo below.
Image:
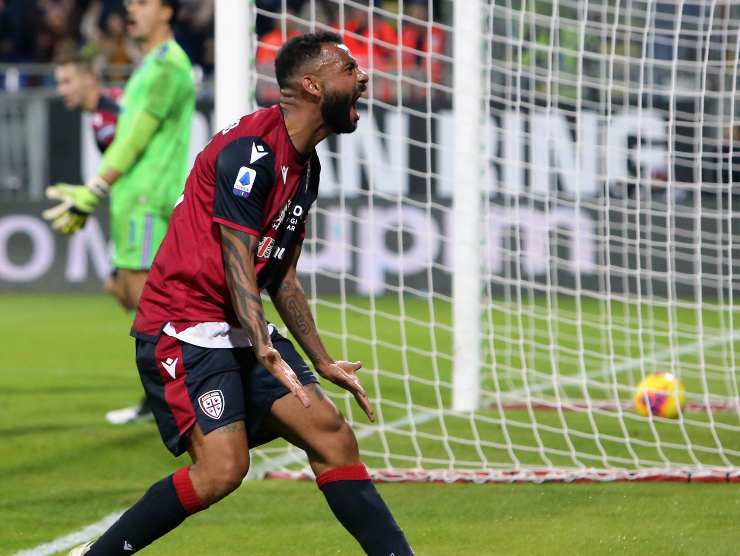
[144, 168]
[78, 86]
[218, 376]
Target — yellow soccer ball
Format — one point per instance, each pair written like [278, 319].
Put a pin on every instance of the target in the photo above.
[662, 393]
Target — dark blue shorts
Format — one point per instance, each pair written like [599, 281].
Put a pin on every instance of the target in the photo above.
[186, 384]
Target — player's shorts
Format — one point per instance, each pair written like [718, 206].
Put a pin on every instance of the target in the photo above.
[187, 384]
[136, 236]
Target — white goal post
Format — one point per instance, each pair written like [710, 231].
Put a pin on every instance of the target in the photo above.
[234, 60]
[468, 113]
[536, 212]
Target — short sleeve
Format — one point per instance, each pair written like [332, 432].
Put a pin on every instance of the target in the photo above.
[245, 176]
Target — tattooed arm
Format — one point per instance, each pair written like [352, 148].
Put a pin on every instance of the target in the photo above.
[291, 303]
[241, 280]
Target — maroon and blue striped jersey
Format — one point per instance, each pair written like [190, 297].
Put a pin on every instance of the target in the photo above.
[105, 117]
[250, 178]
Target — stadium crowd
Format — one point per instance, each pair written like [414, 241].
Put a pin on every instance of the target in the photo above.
[393, 40]
[37, 31]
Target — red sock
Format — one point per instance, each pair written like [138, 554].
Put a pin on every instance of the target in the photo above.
[186, 491]
[162, 508]
[350, 473]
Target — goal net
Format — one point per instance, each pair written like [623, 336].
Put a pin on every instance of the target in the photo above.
[536, 212]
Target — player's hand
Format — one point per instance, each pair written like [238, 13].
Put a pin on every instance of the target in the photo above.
[344, 374]
[76, 203]
[271, 360]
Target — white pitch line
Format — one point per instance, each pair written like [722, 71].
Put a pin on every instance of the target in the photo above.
[294, 455]
[255, 472]
[73, 539]
[628, 365]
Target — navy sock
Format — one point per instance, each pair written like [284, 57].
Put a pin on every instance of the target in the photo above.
[358, 506]
[164, 506]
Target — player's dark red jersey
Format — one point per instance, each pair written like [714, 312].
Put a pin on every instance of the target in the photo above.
[250, 178]
[105, 117]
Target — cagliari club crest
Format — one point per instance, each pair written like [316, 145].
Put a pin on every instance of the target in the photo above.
[212, 404]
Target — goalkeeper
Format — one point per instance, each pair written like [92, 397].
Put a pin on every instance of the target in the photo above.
[144, 168]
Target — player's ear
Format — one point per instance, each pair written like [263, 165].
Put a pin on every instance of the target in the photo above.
[312, 85]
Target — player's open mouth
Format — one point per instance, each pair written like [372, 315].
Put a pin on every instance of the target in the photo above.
[354, 114]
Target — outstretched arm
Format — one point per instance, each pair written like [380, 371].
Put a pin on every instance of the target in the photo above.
[241, 280]
[291, 303]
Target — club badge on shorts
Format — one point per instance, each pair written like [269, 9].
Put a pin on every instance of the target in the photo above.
[212, 403]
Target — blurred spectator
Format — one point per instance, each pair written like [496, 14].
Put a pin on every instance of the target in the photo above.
[194, 32]
[422, 39]
[266, 23]
[115, 49]
[267, 49]
[90, 30]
[356, 34]
[38, 30]
[18, 20]
[58, 30]
[297, 21]
[270, 43]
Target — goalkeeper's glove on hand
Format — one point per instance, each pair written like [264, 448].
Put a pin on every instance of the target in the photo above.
[77, 202]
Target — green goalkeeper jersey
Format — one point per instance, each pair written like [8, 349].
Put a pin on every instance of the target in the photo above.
[162, 86]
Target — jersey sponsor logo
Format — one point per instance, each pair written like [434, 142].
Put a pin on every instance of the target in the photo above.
[279, 220]
[244, 181]
[284, 170]
[295, 218]
[170, 365]
[212, 403]
[258, 151]
[264, 249]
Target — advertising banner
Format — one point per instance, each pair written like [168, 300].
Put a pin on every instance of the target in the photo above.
[376, 247]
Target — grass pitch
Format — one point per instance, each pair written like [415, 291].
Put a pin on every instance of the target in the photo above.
[66, 360]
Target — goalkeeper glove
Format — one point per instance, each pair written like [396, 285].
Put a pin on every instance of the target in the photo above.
[77, 203]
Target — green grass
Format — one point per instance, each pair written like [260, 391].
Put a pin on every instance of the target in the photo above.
[67, 359]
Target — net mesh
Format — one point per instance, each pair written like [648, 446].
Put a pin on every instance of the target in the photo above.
[610, 156]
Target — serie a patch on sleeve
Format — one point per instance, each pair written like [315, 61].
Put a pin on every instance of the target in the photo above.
[244, 181]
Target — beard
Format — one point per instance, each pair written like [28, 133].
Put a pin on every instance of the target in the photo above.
[336, 112]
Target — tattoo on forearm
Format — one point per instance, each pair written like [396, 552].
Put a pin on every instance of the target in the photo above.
[299, 314]
[291, 303]
[241, 279]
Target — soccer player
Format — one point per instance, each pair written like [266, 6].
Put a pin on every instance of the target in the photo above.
[79, 89]
[78, 86]
[220, 379]
[144, 168]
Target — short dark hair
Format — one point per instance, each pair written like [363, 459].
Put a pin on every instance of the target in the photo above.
[299, 50]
